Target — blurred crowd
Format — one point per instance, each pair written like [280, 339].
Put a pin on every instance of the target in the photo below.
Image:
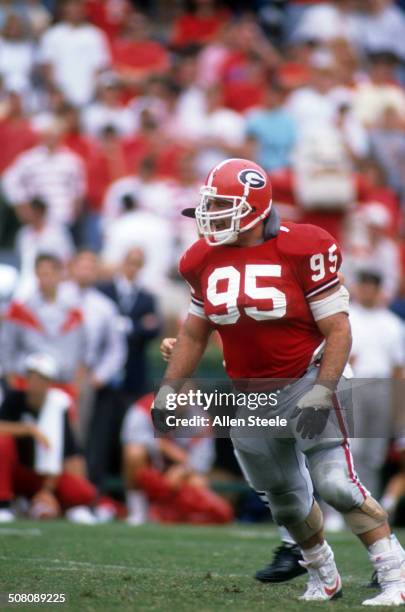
[111, 114]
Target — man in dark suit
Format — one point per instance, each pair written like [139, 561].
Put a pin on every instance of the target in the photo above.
[140, 322]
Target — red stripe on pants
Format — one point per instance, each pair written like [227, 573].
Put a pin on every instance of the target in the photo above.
[345, 444]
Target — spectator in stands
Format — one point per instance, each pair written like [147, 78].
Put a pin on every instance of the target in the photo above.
[135, 54]
[388, 145]
[17, 133]
[16, 55]
[312, 106]
[271, 131]
[327, 21]
[370, 247]
[381, 27]
[222, 132]
[378, 190]
[39, 235]
[36, 446]
[73, 52]
[47, 321]
[108, 15]
[107, 110]
[142, 229]
[140, 321]
[48, 171]
[170, 474]
[379, 357]
[373, 95]
[200, 24]
[102, 411]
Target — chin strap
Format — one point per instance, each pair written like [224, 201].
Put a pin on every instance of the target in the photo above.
[272, 225]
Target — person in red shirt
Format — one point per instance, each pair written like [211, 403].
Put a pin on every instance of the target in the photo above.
[246, 66]
[108, 15]
[134, 54]
[199, 25]
[16, 132]
[273, 294]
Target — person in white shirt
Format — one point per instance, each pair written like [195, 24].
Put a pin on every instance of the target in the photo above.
[369, 246]
[143, 229]
[326, 22]
[51, 172]
[108, 110]
[73, 52]
[39, 235]
[380, 26]
[16, 54]
[222, 132]
[378, 359]
[151, 193]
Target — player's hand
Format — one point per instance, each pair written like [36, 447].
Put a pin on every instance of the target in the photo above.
[39, 436]
[312, 411]
[166, 347]
[159, 410]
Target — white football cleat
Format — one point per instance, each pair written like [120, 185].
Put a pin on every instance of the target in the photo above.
[324, 581]
[390, 579]
[6, 515]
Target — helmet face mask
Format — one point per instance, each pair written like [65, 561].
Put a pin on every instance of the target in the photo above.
[223, 224]
[236, 197]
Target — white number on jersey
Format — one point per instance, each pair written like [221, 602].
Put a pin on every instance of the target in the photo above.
[229, 297]
[317, 263]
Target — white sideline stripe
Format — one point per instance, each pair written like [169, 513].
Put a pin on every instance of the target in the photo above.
[16, 531]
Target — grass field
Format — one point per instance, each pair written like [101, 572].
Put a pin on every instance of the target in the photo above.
[179, 568]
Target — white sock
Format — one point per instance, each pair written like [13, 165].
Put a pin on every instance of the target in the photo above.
[384, 545]
[317, 552]
[137, 504]
[398, 545]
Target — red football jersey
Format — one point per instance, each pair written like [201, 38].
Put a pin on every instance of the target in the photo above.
[257, 298]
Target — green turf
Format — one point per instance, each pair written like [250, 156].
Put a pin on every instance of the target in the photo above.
[182, 568]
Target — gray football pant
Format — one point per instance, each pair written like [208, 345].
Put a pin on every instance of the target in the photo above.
[285, 469]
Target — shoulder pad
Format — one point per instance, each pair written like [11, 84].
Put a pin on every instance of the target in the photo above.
[297, 239]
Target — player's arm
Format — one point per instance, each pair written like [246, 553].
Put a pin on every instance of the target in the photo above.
[190, 346]
[338, 339]
[187, 352]
[330, 311]
[22, 430]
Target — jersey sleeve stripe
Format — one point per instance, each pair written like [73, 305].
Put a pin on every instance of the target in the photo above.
[322, 287]
[196, 310]
[196, 301]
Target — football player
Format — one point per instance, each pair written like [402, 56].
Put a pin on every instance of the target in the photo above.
[286, 560]
[273, 294]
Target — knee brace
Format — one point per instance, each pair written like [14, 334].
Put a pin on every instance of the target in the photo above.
[367, 517]
[311, 525]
